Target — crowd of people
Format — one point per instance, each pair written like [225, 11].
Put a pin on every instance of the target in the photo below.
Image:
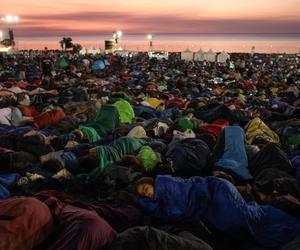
[111, 152]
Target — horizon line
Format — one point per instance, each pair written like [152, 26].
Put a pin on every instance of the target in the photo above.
[177, 33]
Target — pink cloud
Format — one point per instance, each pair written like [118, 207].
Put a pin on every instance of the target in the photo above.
[91, 23]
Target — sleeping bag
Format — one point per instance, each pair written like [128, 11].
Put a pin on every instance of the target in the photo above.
[230, 152]
[219, 203]
[113, 152]
[48, 118]
[24, 223]
[105, 120]
[257, 128]
[82, 229]
[125, 111]
[189, 156]
[271, 156]
[150, 238]
[6, 181]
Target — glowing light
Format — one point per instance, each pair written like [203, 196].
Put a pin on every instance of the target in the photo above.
[10, 19]
[149, 37]
[119, 33]
[5, 49]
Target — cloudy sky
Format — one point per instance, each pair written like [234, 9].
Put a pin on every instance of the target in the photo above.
[91, 17]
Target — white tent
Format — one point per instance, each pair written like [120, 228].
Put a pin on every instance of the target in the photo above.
[159, 54]
[199, 56]
[187, 55]
[223, 57]
[82, 52]
[210, 56]
[93, 51]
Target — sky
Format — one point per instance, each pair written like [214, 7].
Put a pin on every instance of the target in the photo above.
[92, 17]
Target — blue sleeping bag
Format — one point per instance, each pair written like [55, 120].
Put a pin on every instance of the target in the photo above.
[151, 113]
[6, 181]
[235, 157]
[98, 65]
[9, 129]
[217, 202]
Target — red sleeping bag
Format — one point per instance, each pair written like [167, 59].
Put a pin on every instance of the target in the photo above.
[46, 119]
[24, 223]
[214, 128]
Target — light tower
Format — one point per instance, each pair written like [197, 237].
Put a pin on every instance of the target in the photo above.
[117, 36]
[150, 38]
[10, 21]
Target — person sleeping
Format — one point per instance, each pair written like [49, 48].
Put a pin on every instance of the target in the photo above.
[218, 203]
